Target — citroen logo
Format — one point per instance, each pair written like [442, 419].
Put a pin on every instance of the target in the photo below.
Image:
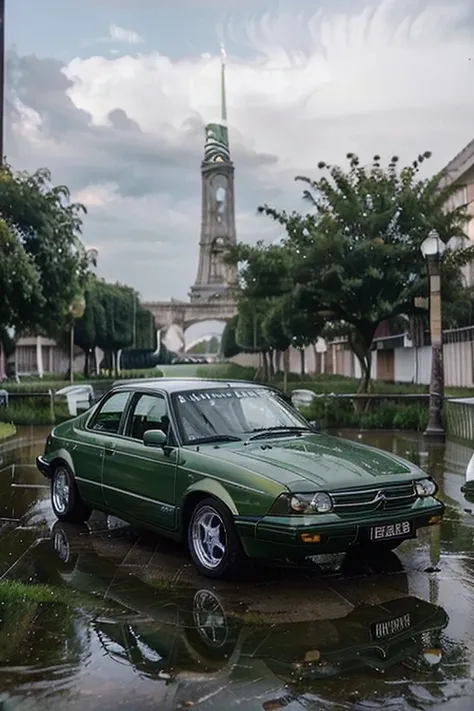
[380, 497]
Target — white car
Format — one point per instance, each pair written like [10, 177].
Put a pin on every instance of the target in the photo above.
[79, 397]
[468, 487]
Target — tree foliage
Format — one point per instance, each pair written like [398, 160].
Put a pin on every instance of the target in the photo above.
[354, 260]
[21, 297]
[113, 319]
[46, 227]
[229, 347]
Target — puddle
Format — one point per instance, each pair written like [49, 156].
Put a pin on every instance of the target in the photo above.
[102, 617]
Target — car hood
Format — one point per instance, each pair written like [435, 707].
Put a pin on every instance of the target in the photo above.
[318, 460]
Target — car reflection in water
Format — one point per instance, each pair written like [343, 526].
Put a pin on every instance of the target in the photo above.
[170, 630]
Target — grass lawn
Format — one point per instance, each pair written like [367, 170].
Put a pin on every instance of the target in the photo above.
[321, 383]
[7, 429]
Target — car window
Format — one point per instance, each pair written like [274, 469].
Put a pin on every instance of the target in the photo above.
[149, 413]
[232, 411]
[107, 419]
[257, 414]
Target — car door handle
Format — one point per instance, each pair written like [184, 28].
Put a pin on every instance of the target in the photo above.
[109, 452]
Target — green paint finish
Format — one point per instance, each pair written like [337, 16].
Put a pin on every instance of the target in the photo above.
[318, 462]
[217, 144]
[157, 487]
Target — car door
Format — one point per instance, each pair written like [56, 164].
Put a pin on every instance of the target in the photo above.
[139, 481]
[96, 439]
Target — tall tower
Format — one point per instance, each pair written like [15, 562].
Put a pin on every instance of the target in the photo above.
[217, 211]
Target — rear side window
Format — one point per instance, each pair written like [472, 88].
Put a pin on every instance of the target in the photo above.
[107, 418]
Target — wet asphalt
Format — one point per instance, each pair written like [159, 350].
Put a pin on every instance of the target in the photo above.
[103, 617]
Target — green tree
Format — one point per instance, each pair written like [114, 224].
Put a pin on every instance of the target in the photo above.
[20, 290]
[229, 346]
[145, 327]
[47, 227]
[200, 347]
[355, 258]
[113, 319]
[213, 345]
[21, 298]
[92, 327]
[119, 312]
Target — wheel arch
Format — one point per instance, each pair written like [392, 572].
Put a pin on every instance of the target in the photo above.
[203, 490]
[62, 456]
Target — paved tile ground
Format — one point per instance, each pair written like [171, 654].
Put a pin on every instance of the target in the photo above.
[135, 626]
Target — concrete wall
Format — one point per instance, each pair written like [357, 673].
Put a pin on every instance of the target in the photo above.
[459, 364]
[37, 355]
[411, 365]
[357, 371]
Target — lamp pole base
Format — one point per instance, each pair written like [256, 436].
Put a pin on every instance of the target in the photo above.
[435, 430]
[435, 434]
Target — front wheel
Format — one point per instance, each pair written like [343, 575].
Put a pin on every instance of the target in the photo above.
[213, 541]
[65, 497]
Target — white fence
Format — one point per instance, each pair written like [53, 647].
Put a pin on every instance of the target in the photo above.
[405, 364]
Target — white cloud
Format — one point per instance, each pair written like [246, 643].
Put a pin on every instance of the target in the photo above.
[384, 80]
[120, 34]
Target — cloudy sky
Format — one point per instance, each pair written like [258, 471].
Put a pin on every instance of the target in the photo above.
[112, 96]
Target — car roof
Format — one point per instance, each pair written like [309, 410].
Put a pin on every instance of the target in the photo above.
[172, 385]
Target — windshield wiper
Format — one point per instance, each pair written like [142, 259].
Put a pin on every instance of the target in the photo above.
[262, 432]
[216, 438]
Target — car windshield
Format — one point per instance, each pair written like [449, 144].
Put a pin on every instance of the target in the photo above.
[233, 413]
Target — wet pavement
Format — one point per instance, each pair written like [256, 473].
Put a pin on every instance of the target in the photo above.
[102, 617]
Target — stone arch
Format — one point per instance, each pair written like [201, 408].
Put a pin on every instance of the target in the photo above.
[209, 328]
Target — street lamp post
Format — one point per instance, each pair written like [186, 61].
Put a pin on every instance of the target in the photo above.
[2, 76]
[433, 249]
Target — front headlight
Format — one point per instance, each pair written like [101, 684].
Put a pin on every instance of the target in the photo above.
[308, 504]
[425, 487]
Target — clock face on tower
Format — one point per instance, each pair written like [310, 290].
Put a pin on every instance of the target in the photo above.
[219, 196]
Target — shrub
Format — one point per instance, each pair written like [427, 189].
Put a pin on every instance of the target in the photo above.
[7, 429]
[27, 410]
[333, 413]
[135, 374]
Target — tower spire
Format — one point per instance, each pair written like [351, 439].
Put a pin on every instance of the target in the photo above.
[223, 94]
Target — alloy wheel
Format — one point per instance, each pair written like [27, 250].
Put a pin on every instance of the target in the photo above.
[209, 537]
[61, 491]
[210, 619]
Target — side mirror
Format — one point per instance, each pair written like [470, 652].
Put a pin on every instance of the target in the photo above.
[154, 438]
[315, 426]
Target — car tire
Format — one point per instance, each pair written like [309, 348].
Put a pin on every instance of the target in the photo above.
[65, 497]
[218, 554]
[68, 541]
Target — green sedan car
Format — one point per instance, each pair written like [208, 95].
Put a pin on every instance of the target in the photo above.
[235, 471]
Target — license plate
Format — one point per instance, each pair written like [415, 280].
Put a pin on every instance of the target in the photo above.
[391, 530]
[380, 630]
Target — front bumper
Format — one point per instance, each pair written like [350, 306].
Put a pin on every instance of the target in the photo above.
[282, 536]
[44, 467]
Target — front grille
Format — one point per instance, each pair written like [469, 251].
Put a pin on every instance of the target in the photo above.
[383, 498]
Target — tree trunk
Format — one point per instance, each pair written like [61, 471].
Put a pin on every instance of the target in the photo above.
[286, 368]
[303, 362]
[271, 367]
[87, 362]
[265, 366]
[361, 347]
[278, 367]
[317, 360]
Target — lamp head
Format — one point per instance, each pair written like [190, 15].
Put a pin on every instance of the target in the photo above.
[432, 246]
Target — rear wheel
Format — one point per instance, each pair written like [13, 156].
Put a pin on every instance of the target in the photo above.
[65, 497]
[213, 541]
